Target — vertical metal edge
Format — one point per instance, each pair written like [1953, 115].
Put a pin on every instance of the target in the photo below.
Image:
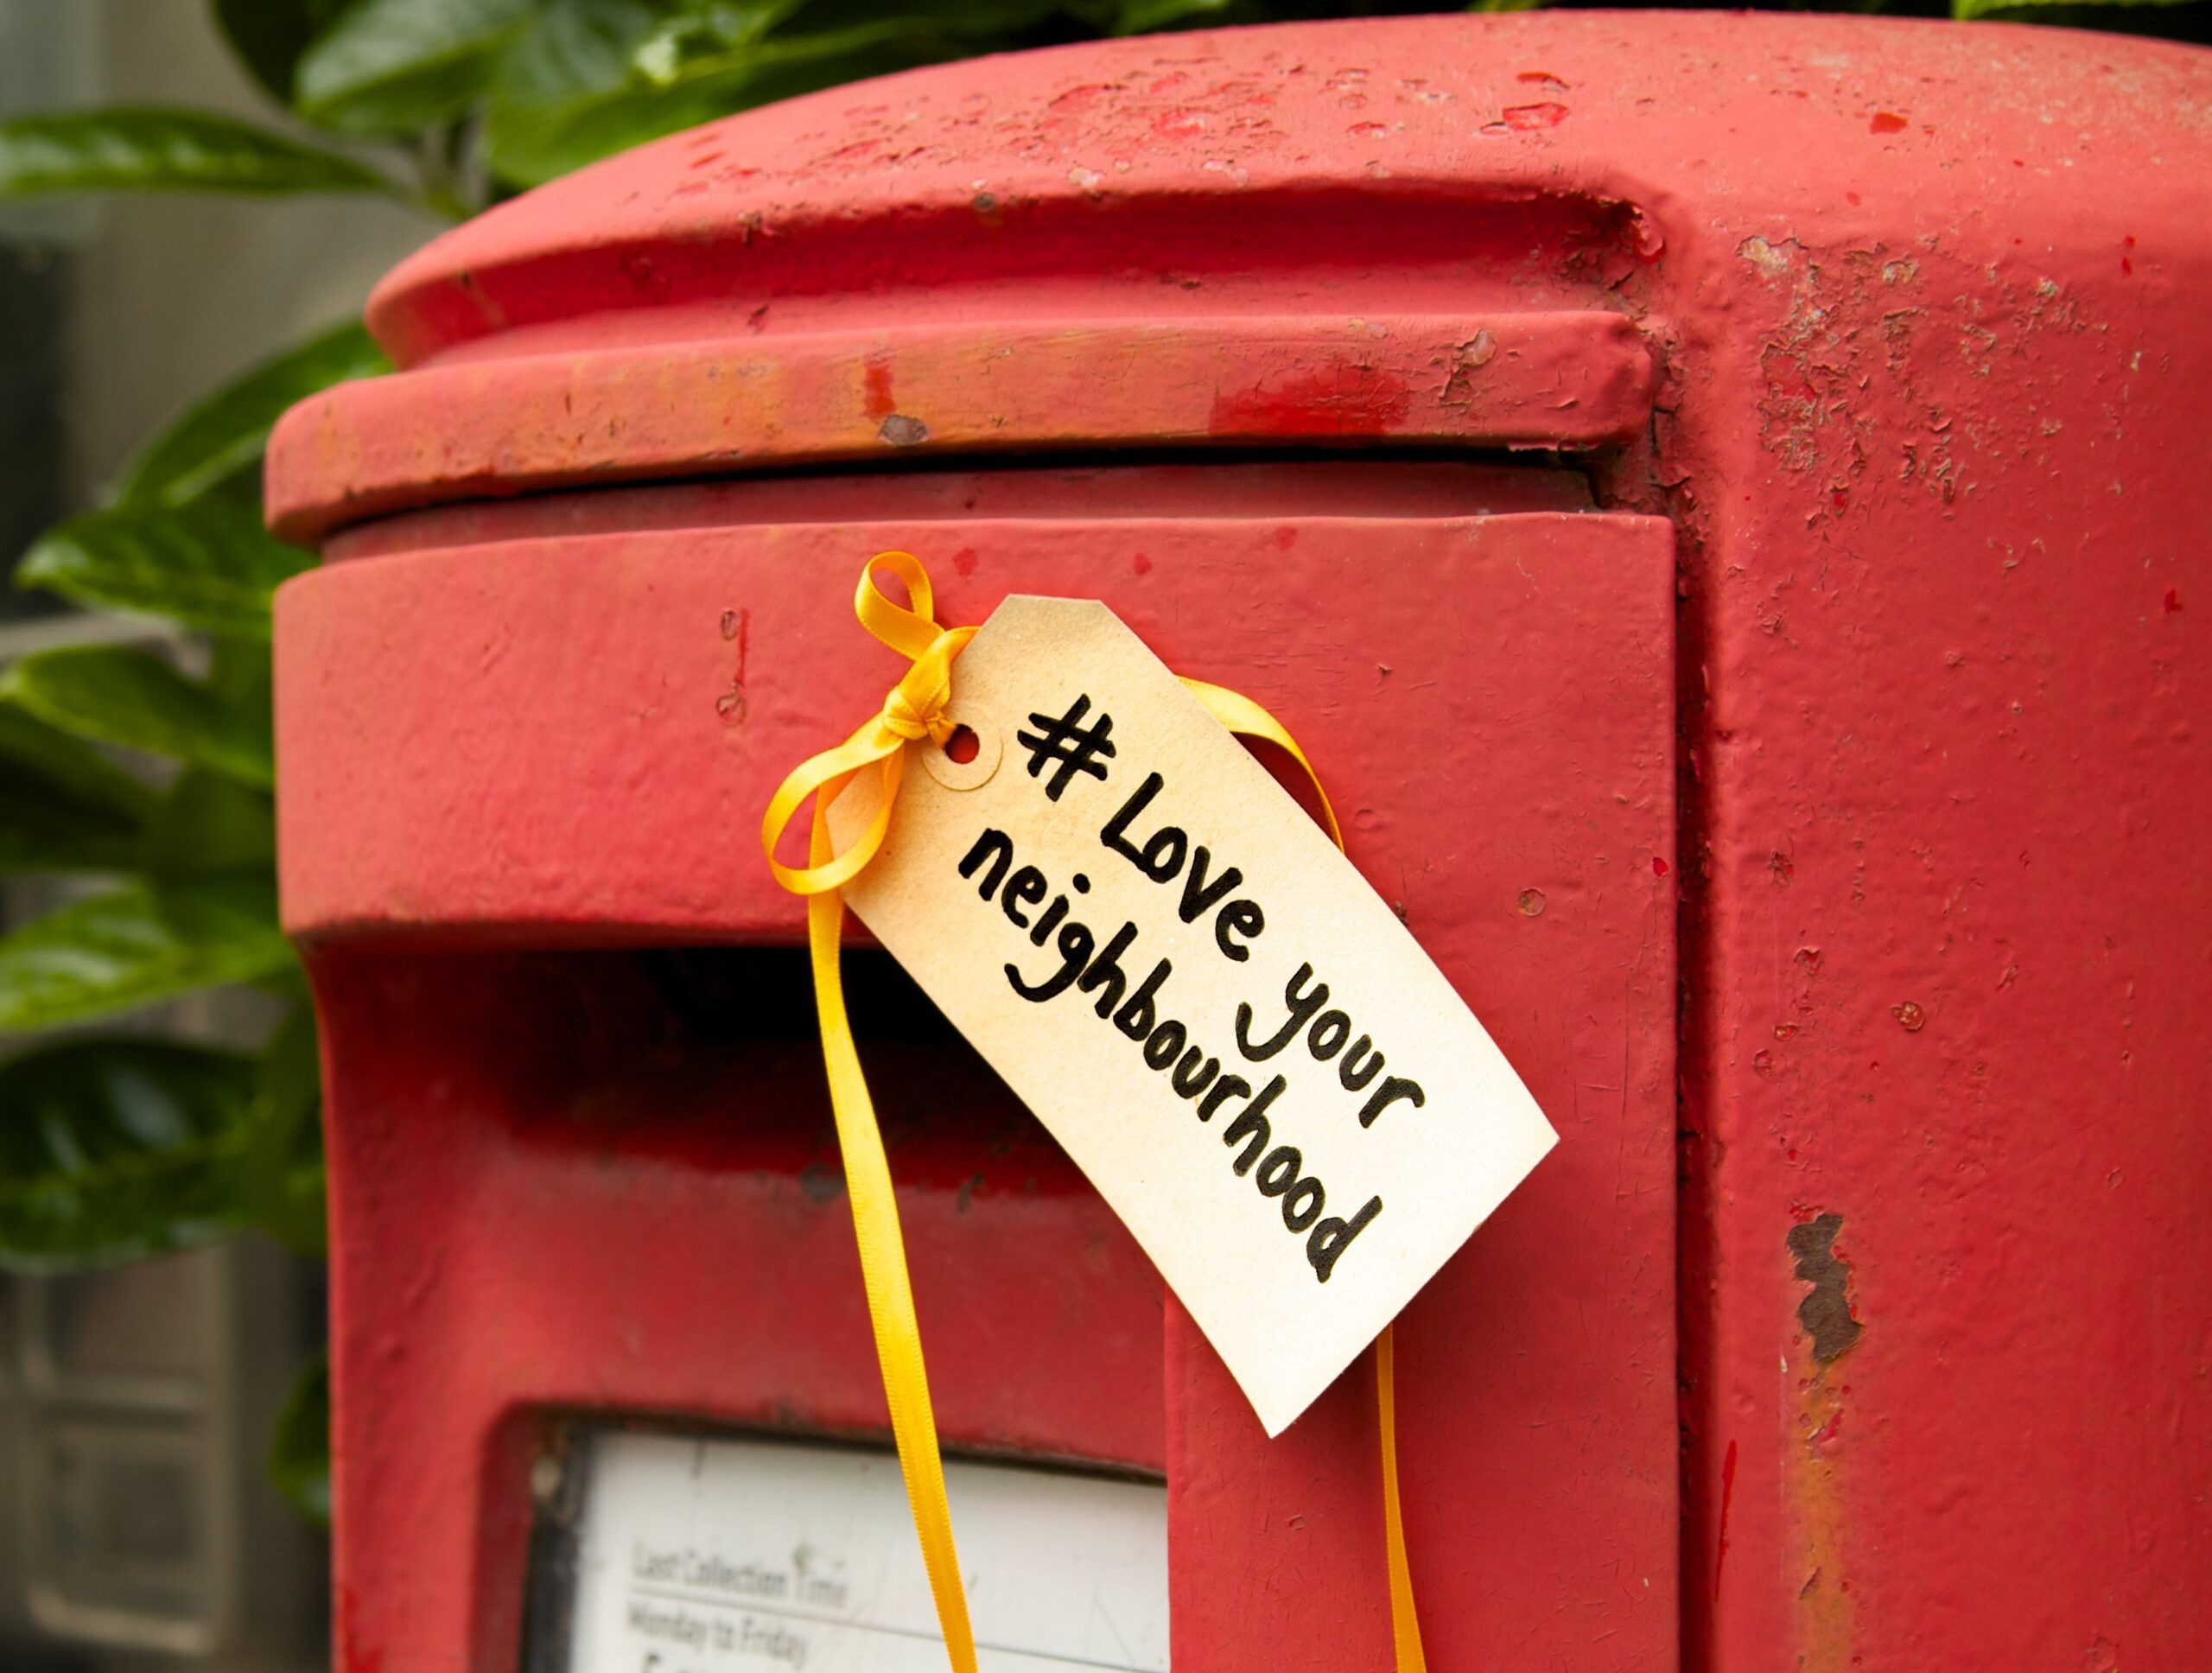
[559, 1477]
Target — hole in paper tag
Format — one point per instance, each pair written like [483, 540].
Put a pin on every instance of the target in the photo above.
[965, 761]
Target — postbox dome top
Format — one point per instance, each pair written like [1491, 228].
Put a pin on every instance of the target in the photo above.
[1524, 161]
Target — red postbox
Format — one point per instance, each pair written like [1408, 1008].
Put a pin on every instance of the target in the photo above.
[1782, 430]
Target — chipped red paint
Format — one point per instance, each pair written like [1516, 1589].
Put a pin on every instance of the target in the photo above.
[878, 402]
[1895, 323]
[1358, 401]
[1727, 1499]
[1529, 118]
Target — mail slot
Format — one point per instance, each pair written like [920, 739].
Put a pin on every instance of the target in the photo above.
[1479, 398]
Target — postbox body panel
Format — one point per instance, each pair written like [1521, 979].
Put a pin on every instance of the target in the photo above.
[1894, 324]
[547, 1201]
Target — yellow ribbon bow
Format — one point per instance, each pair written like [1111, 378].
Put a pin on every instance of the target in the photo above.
[914, 712]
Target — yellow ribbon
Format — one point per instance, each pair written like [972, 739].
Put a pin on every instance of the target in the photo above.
[915, 710]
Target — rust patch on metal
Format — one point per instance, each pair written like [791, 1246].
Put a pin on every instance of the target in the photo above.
[903, 432]
[1825, 1312]
[1816, 1506]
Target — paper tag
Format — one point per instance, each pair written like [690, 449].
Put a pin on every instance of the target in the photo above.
[1175, 969]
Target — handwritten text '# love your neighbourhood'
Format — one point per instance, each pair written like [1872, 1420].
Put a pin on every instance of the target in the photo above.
[1061, 753]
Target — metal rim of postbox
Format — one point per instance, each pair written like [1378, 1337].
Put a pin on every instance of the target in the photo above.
[1564, 379]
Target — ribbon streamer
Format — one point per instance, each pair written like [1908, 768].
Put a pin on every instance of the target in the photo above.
[913, 711]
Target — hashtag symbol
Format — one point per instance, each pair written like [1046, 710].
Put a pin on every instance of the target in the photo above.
[1068, 743]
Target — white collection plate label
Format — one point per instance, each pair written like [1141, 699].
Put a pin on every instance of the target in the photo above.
[717, 1556]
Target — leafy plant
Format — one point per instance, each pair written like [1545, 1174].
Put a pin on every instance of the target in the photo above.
[114, 1146]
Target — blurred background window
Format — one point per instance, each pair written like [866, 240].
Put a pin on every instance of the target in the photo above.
[138, 1524]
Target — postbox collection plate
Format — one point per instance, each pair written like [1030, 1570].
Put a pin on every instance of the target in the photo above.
[688, 1553]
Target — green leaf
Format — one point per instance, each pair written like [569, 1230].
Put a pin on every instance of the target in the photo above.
[703, 32]
[1142, 17]
[269, 36]
[1966, 11]
[393, 66]
[78, 774]
[208, 564]
[40, 833]
[207, 825]
[224, 432]
[594, 77]
[115, 1148]
[240, 670]
[557, 100]
[63, 807]
[140, 943]
[150, 150]
[285, 1180]
[299, 1448]
[114, 694]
